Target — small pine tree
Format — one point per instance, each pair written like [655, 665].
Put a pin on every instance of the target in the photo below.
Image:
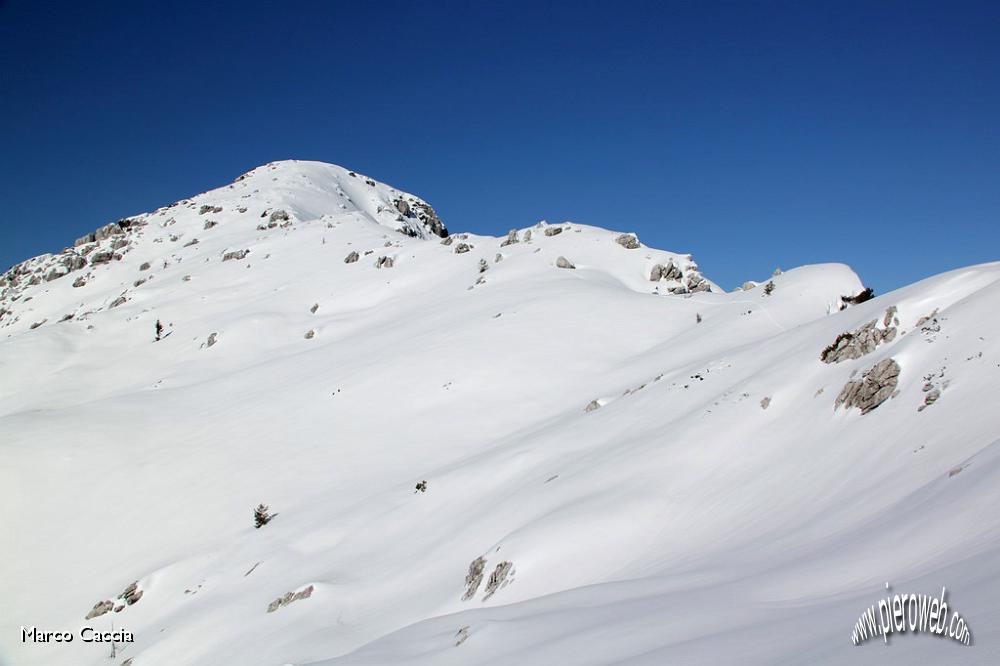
[261, 515]
[768, 288]
[697, 317]
[159, 330]
[421, 487]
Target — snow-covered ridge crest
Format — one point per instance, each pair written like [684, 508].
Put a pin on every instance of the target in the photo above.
[273, 212]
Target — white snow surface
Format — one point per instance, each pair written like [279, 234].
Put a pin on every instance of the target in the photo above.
[680, 522]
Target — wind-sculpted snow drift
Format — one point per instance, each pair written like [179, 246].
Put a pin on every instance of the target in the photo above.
[639, 467]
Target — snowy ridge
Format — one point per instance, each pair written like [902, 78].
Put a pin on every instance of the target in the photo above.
[618, 469]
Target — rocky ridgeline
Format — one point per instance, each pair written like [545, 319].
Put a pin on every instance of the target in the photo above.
[105, 245]
[267, 208]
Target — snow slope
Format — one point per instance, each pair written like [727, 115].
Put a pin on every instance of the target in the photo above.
[665, 472]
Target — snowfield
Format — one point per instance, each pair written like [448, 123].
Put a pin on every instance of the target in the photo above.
[618, 469]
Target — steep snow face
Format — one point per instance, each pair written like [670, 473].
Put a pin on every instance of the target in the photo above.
[554, 446]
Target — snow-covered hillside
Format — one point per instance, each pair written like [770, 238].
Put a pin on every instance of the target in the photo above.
[619, 462]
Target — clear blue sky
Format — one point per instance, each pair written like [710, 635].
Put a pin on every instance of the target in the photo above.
[751, 134]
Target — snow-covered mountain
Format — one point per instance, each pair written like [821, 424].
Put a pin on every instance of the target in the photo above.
[557, 446]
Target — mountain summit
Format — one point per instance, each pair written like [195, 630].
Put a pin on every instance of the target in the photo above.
[294, 420]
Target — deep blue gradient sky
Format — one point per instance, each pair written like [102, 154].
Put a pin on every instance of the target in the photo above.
[749, 134]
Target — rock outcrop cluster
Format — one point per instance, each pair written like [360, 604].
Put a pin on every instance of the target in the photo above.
[863, 340]
[876, 385]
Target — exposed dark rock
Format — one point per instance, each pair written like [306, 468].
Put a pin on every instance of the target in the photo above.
[553, 231]
[279, 216]
[107, 231]
[209, 209]
[289, 598]
[563, 262]
[429, 218]
[865, 294]
[101, 257]
[498, 578]
[144, 266]
[210, 223]
[212, 339]
[74, 262]
[56, 273]
[383, 262]
[668, 272]
[628, 241]
[121, 300]
[462, 248]
[864, 340]
[79, 282]
[99, 609]
[511, 238]
[874, 387]
[132, 593]
[83, 240]
[235, 254]
[351, 258]
[474, 578]
[591, 406]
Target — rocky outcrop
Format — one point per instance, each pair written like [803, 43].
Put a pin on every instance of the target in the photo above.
[99, 609]
[383, 262]
[132, 593]
[553, 231]
[474, 578]
[511, 238]
[209, 209]
[864, 340]
[235, 254]
[563, 262]
[865, 294]
[462, 248]
[289, 598]
[430, 220]
[498, 578]
[628, 241]
[875, 386]
[130, 596]
[351, 258]
[279, 216]
[668, 272]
